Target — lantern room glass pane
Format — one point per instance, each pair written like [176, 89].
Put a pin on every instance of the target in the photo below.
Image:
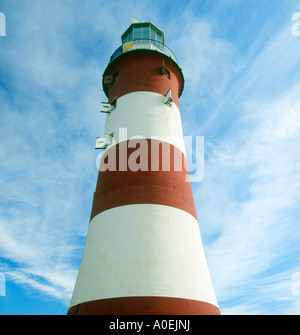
[145, 32]
[128, 37]
[137, 33]
[159, 37]
[153, 33]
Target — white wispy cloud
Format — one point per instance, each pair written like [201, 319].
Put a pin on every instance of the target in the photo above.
[50, 95]
[248, 203]
[47, 156]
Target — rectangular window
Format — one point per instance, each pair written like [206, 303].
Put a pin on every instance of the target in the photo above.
[145, 32]
[128, 37]
[159, 37]
[137, 33]
[165, 72]
[153, 34]
[116, 76]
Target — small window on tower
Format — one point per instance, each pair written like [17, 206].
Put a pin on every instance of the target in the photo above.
[116, 76]
[165, 72]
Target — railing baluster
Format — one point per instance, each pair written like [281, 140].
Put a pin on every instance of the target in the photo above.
[146, 44]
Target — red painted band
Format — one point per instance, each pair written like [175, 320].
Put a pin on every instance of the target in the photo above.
[141, 70]
[144, 306]
[120, 188]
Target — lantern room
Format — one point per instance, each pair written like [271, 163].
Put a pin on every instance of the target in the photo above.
[143, 30]
[143, 35]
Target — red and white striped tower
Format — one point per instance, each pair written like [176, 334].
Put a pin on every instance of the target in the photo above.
[143, 253]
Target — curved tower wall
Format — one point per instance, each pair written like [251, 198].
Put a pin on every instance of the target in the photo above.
[143, 252]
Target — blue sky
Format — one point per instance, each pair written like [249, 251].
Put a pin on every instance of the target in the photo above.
[242, 93]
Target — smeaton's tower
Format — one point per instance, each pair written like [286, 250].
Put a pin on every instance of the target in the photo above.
[143, 252]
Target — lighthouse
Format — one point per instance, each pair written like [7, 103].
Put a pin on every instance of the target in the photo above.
[143, 253]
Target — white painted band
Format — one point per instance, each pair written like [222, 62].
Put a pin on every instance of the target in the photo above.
[145, 115]
[143, 250]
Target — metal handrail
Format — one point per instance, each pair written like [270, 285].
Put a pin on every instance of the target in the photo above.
[143, 43]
